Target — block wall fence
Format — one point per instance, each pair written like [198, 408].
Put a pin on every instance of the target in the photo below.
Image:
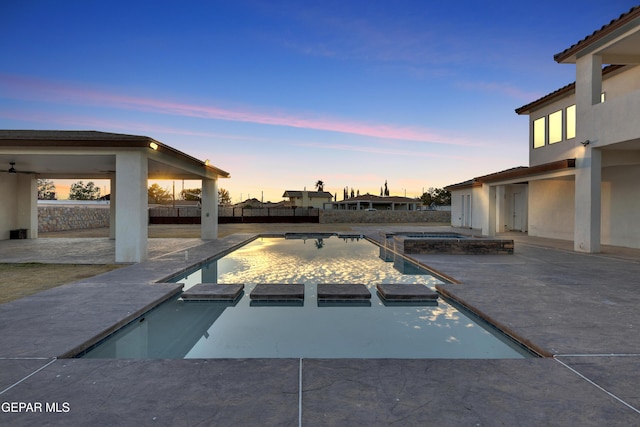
[63, 218]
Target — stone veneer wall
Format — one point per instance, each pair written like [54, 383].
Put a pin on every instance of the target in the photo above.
[468, 246]
[334, 216]
[62, 218]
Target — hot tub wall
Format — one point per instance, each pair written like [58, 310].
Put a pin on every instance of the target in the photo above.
[471, 246]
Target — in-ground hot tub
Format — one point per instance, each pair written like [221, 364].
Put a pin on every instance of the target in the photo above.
[446, 243]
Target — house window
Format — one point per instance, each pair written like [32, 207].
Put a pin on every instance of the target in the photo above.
[555, 127]
[539, 132]
[571, 121]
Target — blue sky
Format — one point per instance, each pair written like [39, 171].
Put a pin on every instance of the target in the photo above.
[283, 93]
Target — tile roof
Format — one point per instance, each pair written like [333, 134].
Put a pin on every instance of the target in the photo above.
[52, 139]
[298, 193]
[623, 19]
[519, 172]
[70, 135]
[379, 199]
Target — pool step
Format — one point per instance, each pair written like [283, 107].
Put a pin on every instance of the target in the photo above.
[342, 292]
[277, 292]
[406, 292]
[213, 292]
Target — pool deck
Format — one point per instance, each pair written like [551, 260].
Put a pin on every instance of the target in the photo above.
[582, 309]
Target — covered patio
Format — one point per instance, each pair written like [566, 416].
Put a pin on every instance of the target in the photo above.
[128, 161]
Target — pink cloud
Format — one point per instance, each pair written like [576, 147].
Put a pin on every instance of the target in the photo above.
[76, 121]
[27, 88]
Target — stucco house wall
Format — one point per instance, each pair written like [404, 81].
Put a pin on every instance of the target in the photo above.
[616, 119]
[559, 150]
[18, 212]
[620, 224]
[7, 209]
[551, 215]
[459, 208]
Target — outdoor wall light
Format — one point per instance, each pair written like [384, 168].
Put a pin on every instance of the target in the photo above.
[153, 145]
[585, 143]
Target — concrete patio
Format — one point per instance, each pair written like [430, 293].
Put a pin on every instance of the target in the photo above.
[580, 309]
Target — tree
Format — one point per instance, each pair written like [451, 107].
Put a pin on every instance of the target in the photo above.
[223, 197]
[426, 199]
[159, 195]
[46, 190]
[195, 194]
[81, 191]
[436, 196]
[320, 185]
[192, 194]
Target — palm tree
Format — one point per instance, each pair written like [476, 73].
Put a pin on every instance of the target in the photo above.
[320, 185]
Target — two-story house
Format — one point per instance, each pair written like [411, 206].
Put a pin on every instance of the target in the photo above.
[308, 199]
[583, 178]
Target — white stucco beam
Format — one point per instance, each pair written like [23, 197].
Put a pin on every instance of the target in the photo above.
[549, 175]
[620, 59]
[165, 166]
[98, 162]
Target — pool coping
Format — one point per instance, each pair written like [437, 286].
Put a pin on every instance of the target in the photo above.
[580, 384]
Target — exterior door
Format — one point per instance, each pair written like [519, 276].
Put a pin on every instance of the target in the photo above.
[466, 210]
[518, 207]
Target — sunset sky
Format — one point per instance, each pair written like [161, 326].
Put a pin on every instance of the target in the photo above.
[284, 93]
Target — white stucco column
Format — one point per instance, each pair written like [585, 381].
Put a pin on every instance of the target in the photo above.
[501, 212]
[484, 210]
[492, 219]
[588, 201]
[27, 204]
[131, 207]
[209, 212]
[112, 209]
[588, 82]
[588, 159]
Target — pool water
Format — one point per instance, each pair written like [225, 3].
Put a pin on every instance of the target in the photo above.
[312, 328]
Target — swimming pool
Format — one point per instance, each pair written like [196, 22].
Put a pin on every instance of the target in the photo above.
[309, 328]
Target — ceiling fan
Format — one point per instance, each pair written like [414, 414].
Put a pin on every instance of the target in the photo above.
[13, 169]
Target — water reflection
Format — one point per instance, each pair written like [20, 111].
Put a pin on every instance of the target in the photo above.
[289, 261]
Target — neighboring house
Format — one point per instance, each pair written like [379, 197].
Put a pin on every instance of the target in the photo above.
[584, 153]
[308, 199]
[369, 201]
[257, 204]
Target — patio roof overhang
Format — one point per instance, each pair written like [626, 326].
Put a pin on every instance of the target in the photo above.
[515, 175]
[91, 154]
